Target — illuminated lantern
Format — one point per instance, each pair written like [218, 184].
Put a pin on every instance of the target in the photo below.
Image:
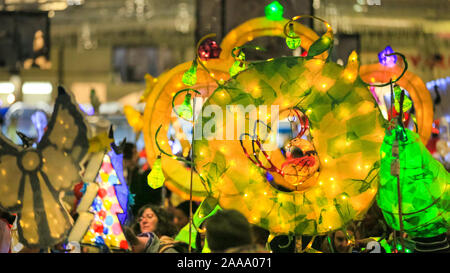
[32, 179]
[238, 65]
[190, 76]
[335, 168]
[110, 205]
[407, 103]
[420, 96]
[156, 178]
[388, 61]
[158, 101]
[423, 184]
[209, 49]
[134, 118]
[274, 11]
[207, 208]
[292, 40]
[185, 109]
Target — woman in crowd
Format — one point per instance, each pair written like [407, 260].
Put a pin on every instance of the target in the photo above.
[153, 232]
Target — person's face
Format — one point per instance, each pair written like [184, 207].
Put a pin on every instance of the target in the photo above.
[148, 221]
[340, 242]
[180, 219]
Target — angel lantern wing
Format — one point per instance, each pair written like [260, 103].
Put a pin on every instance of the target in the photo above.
[32, 181]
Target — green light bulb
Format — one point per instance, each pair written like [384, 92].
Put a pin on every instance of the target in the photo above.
[274, 11]
[155, 178]
[407, 103]
[190, 76]
[238, 66]
[397, 91]
[295, 41]
[185, 109]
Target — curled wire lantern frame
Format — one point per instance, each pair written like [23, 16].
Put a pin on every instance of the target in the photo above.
[186, 90]
[280, 183]
[321, 45]
[240, 48]
[290, 24]
[166, 153]
[396, 79]
[415, 86]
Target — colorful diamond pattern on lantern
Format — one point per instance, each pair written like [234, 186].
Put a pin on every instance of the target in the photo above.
[105, 229]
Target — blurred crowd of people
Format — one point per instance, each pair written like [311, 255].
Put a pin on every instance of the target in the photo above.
[156, 222]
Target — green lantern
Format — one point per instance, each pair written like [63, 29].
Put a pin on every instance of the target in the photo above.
[407, 103]
[425, 199]
[207, 208]
[274, 11]
[292, 41]
[155, 178]
[190, 77]
[185, 109]
[238, 66]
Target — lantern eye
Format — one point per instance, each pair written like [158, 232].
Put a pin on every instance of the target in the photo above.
[296, 152]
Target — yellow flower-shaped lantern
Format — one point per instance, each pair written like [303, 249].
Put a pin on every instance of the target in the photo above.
[323, 177]
[159, 110]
